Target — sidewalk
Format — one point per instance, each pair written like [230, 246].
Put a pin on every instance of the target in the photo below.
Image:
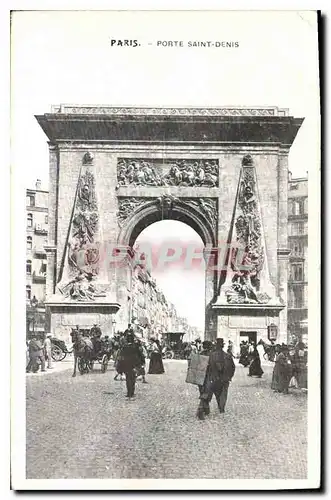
[57, 366]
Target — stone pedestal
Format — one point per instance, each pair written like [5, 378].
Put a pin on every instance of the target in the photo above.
[65, 316]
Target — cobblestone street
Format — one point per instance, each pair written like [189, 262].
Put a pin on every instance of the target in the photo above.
[84, 427]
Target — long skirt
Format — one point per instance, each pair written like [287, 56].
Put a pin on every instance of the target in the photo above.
[281, 377]
[255, 368]
[155, 364]
[243, 360]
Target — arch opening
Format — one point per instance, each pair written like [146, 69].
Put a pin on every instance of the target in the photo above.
[174, 290]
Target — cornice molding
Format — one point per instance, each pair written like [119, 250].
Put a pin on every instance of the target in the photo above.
[169, 111]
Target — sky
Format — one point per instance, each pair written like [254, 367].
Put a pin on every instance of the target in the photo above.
[178, 283]
[67, 57]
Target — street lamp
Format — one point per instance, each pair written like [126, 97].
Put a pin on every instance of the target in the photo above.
[34, 304]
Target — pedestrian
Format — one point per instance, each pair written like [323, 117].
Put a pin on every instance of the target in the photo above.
[155, 363]
[207, 347]
[220, 372]
[282, 372]
[129, 330]
[27, 357]
[260, 349]
[48, 350]
[230, 348]
[36, 356]
[298, 363]
[140, 370]
[244, 359]
[130, 359]
[95, 336]
[255, 365]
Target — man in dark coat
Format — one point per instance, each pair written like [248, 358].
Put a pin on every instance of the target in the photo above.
[36, 354]
[130, 359]
[95, 335]
[220, 372]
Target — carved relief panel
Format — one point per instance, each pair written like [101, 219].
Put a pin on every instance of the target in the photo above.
[158, 172]
[127, 206]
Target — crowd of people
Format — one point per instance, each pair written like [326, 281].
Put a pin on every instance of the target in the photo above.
[130, 353]
[290, 368]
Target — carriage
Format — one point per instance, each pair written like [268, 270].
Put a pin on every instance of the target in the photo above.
[102, 356]
[86, 365]
[59, 349]
[175, 348]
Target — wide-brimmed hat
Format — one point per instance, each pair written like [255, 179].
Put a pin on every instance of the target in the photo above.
[49, 335]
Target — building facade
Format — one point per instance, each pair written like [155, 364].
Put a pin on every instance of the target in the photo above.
[36, 260]
[151, 312]
[298, 259]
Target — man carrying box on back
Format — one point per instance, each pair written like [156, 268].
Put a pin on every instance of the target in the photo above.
[219, 374]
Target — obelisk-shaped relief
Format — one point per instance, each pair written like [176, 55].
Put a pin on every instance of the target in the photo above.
[247, 279]
[83, 275]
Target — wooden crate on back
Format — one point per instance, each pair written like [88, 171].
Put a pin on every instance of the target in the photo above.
[197, 368]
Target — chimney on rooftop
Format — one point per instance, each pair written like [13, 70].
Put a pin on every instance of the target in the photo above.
[38, 185]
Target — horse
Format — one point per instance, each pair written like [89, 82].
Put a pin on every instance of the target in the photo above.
[269, 350]
[83, 350]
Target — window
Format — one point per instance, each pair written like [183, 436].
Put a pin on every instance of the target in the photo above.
[28, 292]
[297, 249]
[30, 220]
[30, 200]
[298, 298]
[46, 219]
[295, 207]
[29, 243]
[306, 205]
[297, 228]
[302, 207]
[294, 186]
[297, 272]
[43, 268]
[28, 267]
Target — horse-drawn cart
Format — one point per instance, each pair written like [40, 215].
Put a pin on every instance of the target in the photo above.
[86, 365]
[175, 348]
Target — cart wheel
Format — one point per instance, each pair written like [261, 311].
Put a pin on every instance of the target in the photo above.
[89, 365]
[57, 353]
[81, 365]
[169, 355]
[104, 363]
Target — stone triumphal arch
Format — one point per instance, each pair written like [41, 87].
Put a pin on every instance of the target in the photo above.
[114, 171]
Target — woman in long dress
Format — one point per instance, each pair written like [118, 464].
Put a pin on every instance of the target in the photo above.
[282, 371]
[255, 366]
[244, 359]
[155, 363]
